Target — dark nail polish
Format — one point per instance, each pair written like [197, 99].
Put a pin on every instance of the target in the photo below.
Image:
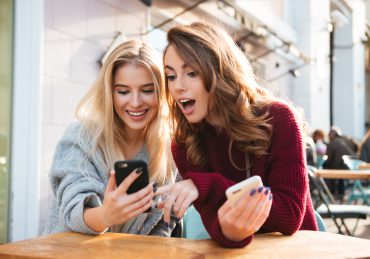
[260, 189]
[267, 190]
[252, 192]
[270, 197]
[155, 187]
[139, 170]
[166, 225]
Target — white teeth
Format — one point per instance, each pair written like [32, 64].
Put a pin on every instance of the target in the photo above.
[184, 100]
[136, 113]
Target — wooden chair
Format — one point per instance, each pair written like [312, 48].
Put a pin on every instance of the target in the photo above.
[337, 212]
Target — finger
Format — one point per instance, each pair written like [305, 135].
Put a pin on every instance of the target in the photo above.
[184, 206]
[168, 204]
[179, 201]
[164, 189]
[131, 213]
[139, 204]
[245, 201]
[123, 187]
[255, 207]
[134, 197]
[225, 208]
[111, 185]
[255, 197]
[262, 214]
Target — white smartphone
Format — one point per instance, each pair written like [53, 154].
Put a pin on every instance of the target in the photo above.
[234, 192]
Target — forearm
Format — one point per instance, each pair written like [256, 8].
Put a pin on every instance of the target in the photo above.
[94, 219]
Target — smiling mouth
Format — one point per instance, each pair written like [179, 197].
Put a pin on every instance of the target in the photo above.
[136, 114]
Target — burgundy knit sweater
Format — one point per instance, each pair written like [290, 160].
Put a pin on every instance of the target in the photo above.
[282, 169]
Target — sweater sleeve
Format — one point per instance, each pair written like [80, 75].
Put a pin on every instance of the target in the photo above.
[286, 173]
[211, 187]
[75, 183]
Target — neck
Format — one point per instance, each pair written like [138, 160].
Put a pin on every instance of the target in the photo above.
[215, 121]
[134, 141]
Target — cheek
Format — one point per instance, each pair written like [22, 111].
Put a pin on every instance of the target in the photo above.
[119, 101]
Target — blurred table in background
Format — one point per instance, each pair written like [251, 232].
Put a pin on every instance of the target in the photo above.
[365, 166]
[343, 174]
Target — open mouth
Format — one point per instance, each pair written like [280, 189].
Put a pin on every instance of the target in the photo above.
[187, 103]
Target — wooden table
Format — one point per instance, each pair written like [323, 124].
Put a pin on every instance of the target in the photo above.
[343, 174]
[364, 166]
[303, 244]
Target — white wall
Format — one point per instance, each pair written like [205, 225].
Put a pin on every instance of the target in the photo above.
[311, 89]
[76, 35]
[349, 74]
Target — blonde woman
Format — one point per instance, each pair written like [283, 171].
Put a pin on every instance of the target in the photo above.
[227, 129]
[123, 116]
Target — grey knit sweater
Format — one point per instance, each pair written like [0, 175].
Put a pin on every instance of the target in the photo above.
[78, 180]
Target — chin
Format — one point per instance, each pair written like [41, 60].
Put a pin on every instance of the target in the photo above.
[194, 120]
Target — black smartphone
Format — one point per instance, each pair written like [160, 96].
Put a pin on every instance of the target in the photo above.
[124, 168]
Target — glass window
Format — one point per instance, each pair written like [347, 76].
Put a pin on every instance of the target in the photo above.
[6, 55]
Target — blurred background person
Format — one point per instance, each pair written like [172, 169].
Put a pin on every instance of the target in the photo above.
[318, 137]
[311, 155]
[338, 146]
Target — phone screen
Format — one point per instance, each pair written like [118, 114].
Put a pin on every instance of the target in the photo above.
[124, 168]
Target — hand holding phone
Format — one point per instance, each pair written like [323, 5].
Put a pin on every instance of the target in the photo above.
[126, 167]
[234, 192]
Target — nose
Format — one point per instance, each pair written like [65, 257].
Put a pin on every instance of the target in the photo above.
[179, 84]
[136, 99]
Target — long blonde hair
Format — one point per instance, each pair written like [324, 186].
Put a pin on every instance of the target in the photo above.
[104, 128]
[236, 98]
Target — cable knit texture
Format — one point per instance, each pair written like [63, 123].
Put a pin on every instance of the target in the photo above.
[78, 181]
[283, 169]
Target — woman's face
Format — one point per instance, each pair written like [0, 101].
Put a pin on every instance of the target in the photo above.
[186, 87]
[134, 97]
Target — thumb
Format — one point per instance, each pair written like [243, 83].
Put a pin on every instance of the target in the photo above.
[111, 186]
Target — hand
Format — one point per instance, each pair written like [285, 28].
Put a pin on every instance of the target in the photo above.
[244, 217]
[118, 206]
[180, 196]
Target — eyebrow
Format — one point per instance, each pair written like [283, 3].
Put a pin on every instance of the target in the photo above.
[144, 85]
[185, 65]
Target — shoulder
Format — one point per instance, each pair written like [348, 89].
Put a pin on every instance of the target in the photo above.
[285, 119]
[177, 149]
[280, 109]
[74, 139]
[72, 130]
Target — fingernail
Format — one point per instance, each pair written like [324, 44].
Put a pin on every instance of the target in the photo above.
[267, 190]
[155, 186]
[252, 192]
[166, 225]
[139, 170]
[270, 197]
[260, 189]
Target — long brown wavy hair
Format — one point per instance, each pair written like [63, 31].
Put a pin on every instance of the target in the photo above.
[236, 98]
